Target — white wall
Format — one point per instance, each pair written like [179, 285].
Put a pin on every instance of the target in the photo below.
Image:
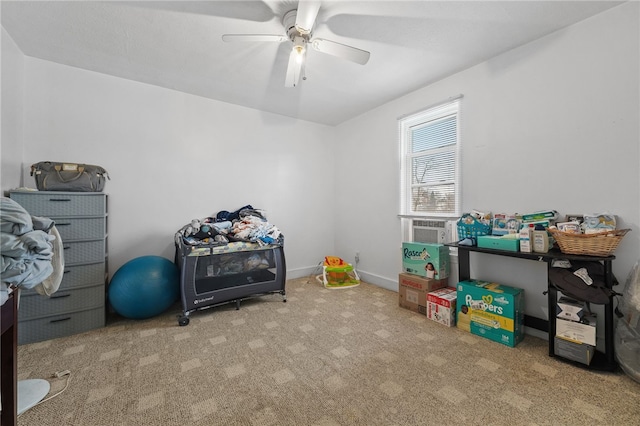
[12, 89]
[173, 157]
[552, 124]
[568, 101]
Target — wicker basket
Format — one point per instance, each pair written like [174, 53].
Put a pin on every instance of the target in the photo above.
[600, 244]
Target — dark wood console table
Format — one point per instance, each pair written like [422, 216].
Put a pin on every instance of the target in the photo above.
[8, 362]
[601, 361]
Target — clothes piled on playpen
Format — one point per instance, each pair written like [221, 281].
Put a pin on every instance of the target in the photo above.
[246, 224]
[228, 233]
[229, 258]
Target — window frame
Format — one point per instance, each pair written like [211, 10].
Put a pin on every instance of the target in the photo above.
[406, 125]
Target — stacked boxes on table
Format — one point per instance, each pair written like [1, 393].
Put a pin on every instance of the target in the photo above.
[425, 269]
[575, 337]
[491, 310]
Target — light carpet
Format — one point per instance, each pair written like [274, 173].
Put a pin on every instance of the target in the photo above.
[325, 357]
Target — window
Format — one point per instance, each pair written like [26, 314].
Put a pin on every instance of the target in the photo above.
[430, 154]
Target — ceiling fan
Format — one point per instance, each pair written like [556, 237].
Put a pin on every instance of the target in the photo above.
[298, 25]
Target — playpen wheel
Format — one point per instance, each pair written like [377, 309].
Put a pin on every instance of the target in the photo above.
[183, 320]
[284, 296]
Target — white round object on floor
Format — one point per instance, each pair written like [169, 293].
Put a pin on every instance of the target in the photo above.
[30, 392]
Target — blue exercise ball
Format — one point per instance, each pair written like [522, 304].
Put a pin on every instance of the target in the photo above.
[144, 287]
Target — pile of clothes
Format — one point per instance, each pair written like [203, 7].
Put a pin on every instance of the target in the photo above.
[31, 250]
[245, 224]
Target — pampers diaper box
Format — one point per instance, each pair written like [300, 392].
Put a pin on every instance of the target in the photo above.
[426, 259]
[491, 310]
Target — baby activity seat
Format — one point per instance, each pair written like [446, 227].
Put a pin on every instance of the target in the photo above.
[336, 273]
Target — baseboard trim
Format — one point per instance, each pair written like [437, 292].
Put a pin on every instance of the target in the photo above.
[378, 280]
[304, 272]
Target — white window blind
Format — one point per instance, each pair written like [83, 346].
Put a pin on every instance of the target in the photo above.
[430, 152]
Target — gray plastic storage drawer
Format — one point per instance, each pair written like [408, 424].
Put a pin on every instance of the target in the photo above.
[60, 325]
[54, 204]
[37, 306]
[84, 228]
[78, 276]
[84, 251]
[79, 304]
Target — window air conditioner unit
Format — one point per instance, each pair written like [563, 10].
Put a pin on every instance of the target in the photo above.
[431, 231]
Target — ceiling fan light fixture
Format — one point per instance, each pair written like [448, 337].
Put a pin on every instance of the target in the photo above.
[299, 47]
[298, 29]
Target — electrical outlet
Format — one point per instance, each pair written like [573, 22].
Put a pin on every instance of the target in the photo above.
[357, 256]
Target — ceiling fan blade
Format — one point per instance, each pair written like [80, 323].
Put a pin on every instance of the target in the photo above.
[294, 70]
[340, 50]
[253, 37]
[306, 15]
[255, 11]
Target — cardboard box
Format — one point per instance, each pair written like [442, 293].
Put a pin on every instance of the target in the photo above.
[412, 291]
[504, 224]
[541, 215]
[582, 332]
[426, 260]
[441, 306]
[545, 223]
[499, 243]
[491, 310]
[570, 309]
[574, 351]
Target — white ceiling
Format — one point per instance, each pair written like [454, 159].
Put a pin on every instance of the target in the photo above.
[178, 45]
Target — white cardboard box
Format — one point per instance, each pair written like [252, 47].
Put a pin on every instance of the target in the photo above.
[583, 332]
[574, 351]
[441, 306]
[570, 309]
